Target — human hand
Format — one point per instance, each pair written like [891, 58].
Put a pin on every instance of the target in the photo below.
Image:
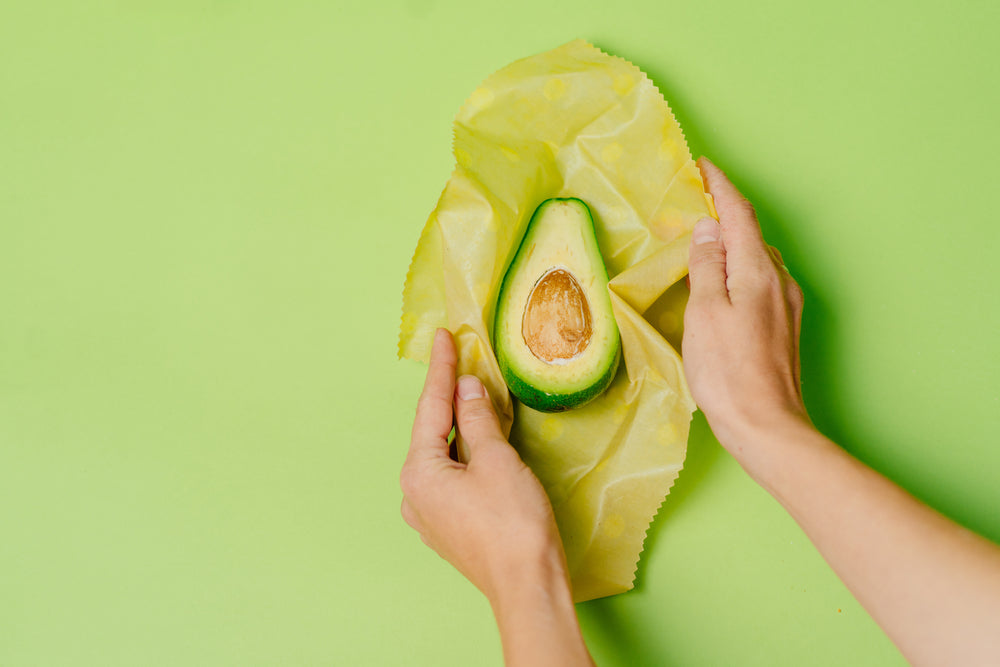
[490, 517]
[933, 586]
[741, 326]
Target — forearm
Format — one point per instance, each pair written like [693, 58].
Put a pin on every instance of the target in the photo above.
[933, 586]
[537, 619]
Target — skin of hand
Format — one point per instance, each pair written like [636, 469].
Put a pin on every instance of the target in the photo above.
[933, 586]
[489, 517]
[742, 322]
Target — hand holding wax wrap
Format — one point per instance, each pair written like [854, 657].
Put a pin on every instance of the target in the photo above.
[572, 122]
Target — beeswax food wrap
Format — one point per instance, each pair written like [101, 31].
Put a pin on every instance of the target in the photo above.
[573, 122]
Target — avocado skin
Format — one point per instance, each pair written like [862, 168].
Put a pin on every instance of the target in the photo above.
[546, 402]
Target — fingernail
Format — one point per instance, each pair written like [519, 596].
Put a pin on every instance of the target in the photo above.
[706, 230]
[470, 387]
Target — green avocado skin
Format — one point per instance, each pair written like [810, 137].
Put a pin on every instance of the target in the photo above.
[543, 401]
[528, 394]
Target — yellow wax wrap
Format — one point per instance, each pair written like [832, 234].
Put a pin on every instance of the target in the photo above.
[573, 122]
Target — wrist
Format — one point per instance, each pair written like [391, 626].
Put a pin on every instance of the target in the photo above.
[540, 576]
[761, 442]
[535, 614]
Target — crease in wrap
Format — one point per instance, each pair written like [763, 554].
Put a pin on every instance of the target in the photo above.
[573, 122]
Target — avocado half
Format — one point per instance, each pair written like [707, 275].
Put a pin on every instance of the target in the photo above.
[554, 334]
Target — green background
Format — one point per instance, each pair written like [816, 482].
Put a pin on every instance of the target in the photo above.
[207, 210]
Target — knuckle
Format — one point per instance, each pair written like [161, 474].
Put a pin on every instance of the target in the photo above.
[707, 257]
[761, 281]
[765, 278]
[406, 511]
[478, 414]
[425, 401]
[407, 481]
[795, 293]
[771, 281]
[744, 206]
[429, 405]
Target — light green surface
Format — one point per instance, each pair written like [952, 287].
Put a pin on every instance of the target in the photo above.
[206, 215]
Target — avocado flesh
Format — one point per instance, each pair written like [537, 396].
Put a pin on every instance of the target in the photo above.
[554, 333]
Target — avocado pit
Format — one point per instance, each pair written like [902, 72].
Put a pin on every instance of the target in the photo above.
[557, 324]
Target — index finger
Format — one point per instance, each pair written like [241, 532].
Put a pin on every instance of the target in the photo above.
[741, 235]
[433, 422]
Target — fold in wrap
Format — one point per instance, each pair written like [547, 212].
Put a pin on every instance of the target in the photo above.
[573, 122]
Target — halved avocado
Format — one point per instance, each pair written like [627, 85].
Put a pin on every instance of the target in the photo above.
[554, 334]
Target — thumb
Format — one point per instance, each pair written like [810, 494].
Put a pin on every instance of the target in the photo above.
[707, 262]
[474, 414]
